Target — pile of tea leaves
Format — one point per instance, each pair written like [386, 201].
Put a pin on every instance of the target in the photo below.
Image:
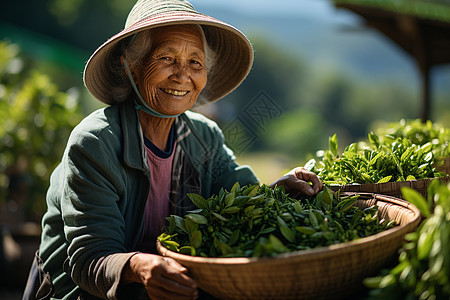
[258, 221]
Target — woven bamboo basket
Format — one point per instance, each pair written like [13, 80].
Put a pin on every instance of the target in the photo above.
[390, 188]
[332, 272]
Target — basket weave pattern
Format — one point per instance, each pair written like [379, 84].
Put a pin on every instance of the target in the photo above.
[323, 273]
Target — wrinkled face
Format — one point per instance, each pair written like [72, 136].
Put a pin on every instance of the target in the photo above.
[174, 74]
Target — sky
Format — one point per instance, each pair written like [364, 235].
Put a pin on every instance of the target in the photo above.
[321, 9]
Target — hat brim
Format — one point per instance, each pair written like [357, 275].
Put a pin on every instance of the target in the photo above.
[233, 55]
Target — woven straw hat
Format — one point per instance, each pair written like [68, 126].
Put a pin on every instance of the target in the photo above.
[233, 51]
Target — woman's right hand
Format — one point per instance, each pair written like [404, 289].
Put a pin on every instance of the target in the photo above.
[162, 277]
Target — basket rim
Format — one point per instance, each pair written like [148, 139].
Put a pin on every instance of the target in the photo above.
[316, 252]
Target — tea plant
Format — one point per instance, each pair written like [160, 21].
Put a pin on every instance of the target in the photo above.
[423, 270]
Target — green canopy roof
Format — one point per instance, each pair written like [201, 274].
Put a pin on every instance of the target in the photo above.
[438, 10]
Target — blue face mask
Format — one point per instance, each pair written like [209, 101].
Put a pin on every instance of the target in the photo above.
[143, 105]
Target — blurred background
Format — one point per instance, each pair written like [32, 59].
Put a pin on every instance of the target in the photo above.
[320, 68]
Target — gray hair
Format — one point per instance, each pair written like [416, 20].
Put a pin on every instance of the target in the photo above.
[136, 51]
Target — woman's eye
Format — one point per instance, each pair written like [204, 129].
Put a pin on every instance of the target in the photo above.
[166, 58]
[196, 63]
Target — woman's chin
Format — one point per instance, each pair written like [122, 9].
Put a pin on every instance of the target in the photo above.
[175, 105]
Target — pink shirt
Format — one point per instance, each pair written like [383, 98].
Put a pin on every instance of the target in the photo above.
[157, 206]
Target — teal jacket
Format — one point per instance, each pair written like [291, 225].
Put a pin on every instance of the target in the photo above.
[98, 192]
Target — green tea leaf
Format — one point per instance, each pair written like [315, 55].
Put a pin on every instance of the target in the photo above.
[346, 203]
[313, 219]
[171, 245]
[180, 223]
[231, 210]
[410, 177]
[196, 239]
[333, 144]
[241, 200]
[172, 224]
[310, 164]
[270, 201]
[191, 225]
[277, 244]
[199, 219]
[164, 236]
[188, 250]
[374, 160]
[225, 249]
[198, 200]
[220, 217]
[254, 212]
[234, 237]
[374, 139]
[424, 244]
[372, 282]
[287, 233]
[327, 198]
[298, 207]
[281, 222]
[267, 230]
[229, 199]
[236, 187]
[385, 179]
[305, 229]
[426, 148]
[428, 157]
[416, 199]
[406, 156]
[251, 191]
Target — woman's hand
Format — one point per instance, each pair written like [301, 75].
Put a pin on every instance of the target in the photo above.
[162, 277]
[296, 182]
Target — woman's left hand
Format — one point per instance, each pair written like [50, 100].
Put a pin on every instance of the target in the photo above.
[296, 182]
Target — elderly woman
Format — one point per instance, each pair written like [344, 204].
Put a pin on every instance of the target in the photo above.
[128, 166]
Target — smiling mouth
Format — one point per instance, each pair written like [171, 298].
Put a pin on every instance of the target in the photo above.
[174, 92]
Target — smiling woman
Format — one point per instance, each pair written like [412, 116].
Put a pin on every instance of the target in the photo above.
[174, 75]
[136, 51]
[128, 166]
[169, 79]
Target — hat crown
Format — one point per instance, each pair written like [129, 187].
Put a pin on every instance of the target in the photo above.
[144, 9]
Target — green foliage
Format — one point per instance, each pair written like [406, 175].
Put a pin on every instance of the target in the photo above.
[296, 133]
[260, 221]
[275, 70]
[69, 11]
[419, 133]
[423, 270]
[35, 122]
[350, 107]
[386, 158]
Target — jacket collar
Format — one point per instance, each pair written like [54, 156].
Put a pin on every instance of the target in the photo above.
[133, 140]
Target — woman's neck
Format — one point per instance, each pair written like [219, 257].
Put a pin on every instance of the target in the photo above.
[156, 129]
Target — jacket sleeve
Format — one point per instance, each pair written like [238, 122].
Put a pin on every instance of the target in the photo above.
[93, 224]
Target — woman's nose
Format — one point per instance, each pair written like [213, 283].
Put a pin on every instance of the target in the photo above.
[181, 73]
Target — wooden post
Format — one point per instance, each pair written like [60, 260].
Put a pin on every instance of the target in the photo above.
[426, 94]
